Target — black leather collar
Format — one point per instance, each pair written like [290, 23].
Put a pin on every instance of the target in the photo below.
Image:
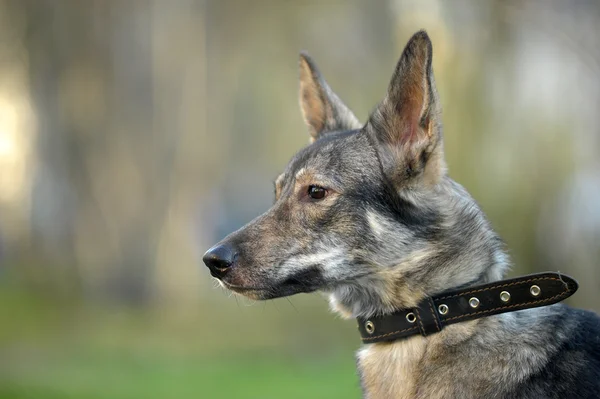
[433, 313]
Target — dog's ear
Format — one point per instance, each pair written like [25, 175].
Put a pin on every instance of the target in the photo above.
[406, 125]
[323, 111]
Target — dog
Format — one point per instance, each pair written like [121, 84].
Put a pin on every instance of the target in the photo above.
[368, 214]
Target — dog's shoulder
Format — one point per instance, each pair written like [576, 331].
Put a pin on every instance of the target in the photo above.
[573, 370]
[579, 331]
[587, 329]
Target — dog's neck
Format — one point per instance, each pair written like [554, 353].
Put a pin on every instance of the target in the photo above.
[356, 300]
[385, 293]
[462, 256]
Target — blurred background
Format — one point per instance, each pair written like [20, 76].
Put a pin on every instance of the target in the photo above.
[136, 133]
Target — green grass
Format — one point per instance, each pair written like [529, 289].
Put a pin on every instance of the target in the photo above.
[110, 376]
[55, 350]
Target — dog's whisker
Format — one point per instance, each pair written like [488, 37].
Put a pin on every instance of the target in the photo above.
[248, 301]
[237, 302]
[290, 302]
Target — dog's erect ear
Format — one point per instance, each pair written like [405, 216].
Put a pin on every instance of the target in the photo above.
[322, 109]
[406, 125]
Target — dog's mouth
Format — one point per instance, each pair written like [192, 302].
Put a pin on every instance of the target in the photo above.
[256, 293]
[242, 289]
[305, 281]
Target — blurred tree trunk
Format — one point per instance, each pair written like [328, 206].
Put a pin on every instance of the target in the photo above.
[92, 83]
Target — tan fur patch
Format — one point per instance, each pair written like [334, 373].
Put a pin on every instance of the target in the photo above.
[392, 370]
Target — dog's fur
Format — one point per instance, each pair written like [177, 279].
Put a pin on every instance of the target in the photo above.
[393, 228]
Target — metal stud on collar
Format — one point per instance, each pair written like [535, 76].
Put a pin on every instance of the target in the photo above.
[411, 318]
[505, 296]
[443, 308]
[369, 327]
[535, 290]
[474, 302]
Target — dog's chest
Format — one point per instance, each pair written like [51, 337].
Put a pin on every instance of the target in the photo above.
[390, 370]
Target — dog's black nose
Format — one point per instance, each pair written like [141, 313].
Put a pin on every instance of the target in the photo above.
[219, 259]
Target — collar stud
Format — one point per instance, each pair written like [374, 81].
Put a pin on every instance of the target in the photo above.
[474, 303]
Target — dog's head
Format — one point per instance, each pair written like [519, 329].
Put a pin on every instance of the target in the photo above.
[360, 210]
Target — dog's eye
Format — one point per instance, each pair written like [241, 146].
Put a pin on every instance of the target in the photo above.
[316, 192]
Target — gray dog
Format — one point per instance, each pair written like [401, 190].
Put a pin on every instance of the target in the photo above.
[368, 214]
